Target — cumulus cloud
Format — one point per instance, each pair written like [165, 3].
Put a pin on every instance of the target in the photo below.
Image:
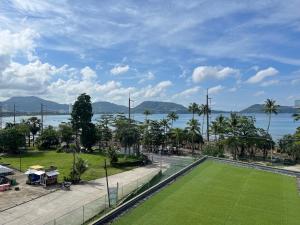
[201, 73]
[262, 74]
[187, 93]
[215, 90]
[148, 76]
[88, 74]
[150, 91]
[117, 70]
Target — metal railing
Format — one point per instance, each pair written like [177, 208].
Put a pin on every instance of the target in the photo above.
[88, 211]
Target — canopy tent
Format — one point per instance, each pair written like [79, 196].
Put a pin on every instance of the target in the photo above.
[36, 167]
[5, 170]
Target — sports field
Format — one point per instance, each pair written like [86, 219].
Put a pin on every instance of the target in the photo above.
[215, 193]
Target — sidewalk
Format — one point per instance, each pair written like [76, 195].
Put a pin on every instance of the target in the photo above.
[53, 205]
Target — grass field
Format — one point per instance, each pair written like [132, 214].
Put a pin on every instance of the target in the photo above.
[215, 193]
[63, 161]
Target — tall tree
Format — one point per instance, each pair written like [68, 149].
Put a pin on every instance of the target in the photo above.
[173, 117]
[270, 108]
[34, 126]
[147, 113]
[193, 128]
[193, 108]
[81, 118]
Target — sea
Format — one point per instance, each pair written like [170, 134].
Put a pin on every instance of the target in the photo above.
[281, 124]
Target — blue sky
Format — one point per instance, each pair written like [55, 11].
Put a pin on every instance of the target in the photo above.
[243, 51]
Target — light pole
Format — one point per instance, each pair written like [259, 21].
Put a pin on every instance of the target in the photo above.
[105, 167]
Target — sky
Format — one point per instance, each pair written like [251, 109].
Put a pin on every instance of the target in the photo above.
[243, 52]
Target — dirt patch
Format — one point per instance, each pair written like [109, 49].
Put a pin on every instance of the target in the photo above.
[26, 193]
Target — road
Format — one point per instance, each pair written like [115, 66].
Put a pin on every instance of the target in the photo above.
[59, 203]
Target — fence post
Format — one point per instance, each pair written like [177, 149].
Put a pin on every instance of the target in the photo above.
[83, 214]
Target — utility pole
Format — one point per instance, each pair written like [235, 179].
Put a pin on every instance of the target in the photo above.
[108, 195]
[207, 116]
[129, 108]
[0, 116]
[14, 114]
[42, 117]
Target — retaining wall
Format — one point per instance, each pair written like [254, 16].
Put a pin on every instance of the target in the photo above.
[119, 210]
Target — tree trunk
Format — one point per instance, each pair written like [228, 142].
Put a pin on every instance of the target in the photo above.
[269, 122]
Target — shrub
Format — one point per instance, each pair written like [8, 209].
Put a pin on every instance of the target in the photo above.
[48, 139]
[112, 155]
[213, 150]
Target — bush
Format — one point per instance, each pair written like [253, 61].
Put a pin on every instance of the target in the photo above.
[48, 139]
[112, 155]
[11, 139]
[213, 150]
[80, 167]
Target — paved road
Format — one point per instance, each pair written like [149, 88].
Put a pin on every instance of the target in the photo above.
[54, 205]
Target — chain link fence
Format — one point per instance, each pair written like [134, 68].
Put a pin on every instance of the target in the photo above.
[87, 212]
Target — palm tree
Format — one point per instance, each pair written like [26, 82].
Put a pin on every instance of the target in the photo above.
[177, 134]
[147, 113]
[201, 109]
[166, 126]
[173, 117]
[34, 126]
[193, 108]
[270, 107]
[194, 129]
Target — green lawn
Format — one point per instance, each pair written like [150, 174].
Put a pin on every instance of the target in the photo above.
[216, 193]
[63, 161]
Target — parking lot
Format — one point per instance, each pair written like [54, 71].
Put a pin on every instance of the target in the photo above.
[12, 198]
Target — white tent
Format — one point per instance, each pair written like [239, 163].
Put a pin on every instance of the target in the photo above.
[5, 170]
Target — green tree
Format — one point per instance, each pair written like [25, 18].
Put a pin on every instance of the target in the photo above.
[88, 136]
[193, 128]
[172, 116]
[270, 108]
[79, 168]
[81, 118]
[11, 139]
[65, 132]
[193, 108]
[34, 126]
[147, 113]
[48, 139]
[178, 136]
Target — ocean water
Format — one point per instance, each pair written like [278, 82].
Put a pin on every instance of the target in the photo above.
[281, 124]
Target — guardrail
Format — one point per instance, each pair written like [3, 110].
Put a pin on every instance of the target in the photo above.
[119, 210]
[257, 166]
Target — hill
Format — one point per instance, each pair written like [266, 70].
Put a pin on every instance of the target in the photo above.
[108, 107]
[31, 104]
[259, 108]
[159, 107]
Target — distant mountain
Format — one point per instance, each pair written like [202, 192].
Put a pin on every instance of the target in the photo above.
[159, 107]
[30, 104]
[259, 108]
[108, 107]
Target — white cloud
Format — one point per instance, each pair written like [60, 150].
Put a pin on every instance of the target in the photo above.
[269, 83]
[19, 42]
[204, 72]
[187, 93]
[88, 74]
[233, 89]
[262, 74]
[117, 70]
[153, 91]
[215, 90]
[295, 81]
[258, 93]
[147, 77]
